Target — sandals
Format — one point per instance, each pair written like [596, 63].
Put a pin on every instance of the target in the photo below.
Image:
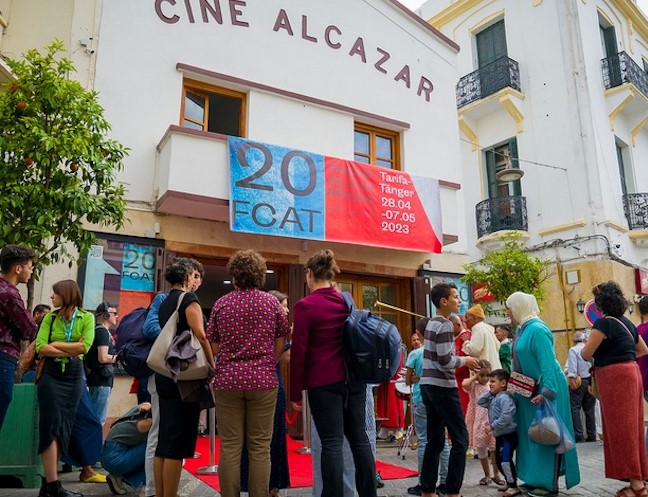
[511, 492]
[485, 481]
[499, 481]
[631, 492]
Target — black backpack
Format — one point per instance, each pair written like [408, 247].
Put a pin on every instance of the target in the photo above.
[371, 345]
[131, 344]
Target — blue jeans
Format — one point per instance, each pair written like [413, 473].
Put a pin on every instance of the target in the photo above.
[444, 411]
[420, 423]
[99, 397]
[338, 411]
[125, 460]
[348, 477]
[7, 372]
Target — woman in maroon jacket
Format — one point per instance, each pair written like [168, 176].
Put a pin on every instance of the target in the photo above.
[316, 365]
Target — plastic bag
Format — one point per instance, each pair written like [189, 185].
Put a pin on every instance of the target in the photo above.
[545, 428]
[566, 439]
[548, 429]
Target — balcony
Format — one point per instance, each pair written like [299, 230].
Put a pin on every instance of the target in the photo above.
[620, 69]
[488, 80]
[635, 208]
[501, 214]
[192, 177]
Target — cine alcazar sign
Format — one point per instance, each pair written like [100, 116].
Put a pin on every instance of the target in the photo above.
[303, 29]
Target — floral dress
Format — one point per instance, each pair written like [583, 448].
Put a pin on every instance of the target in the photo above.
[479, 433]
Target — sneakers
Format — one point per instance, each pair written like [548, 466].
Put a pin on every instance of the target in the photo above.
[379, 481]
[116, 484]
[415, 490]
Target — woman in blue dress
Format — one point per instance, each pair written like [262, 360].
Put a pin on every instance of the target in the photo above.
[534, 355]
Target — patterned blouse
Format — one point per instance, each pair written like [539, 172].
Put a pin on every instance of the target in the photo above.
[246, 324]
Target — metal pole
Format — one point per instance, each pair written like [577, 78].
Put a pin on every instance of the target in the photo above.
[212, 469]
[306, 425]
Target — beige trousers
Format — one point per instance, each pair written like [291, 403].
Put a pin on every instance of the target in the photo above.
[249, 414]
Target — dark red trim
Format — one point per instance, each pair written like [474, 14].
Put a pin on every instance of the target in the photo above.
[449, 184]
[174, 128]
[426, 25]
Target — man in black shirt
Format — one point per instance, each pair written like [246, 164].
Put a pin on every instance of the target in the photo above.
[100, 360]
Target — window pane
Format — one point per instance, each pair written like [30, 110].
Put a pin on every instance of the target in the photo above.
[224, 115]
[345, 287]
[360, 158]
[195, 107]
[361, 143]
[383, 147]
[384, 163]
[388, 295]
[369, 296]
[189, 124]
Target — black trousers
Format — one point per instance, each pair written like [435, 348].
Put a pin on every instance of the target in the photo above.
[582, 399]
[338, 411]
[505, 447]
[444, 411]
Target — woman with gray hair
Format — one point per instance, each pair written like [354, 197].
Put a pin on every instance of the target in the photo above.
[533, 355]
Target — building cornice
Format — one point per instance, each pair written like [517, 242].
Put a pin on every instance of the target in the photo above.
[627, 7]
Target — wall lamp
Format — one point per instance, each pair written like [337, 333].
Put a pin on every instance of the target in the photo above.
[580, 306]
[630, 306]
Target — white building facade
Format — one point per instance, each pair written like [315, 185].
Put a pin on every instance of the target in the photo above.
[558, 90]
[362, 81]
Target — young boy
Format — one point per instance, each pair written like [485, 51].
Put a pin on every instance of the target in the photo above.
[501, 414]
[441, 395]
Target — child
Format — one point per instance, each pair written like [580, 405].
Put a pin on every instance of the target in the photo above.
[502, 333]
[501, 416]
[414, 367]
[479, 433]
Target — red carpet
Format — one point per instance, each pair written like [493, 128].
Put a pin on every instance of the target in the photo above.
[301, 474]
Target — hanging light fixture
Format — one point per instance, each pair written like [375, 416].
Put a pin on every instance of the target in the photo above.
[580, 306]
[509, 175]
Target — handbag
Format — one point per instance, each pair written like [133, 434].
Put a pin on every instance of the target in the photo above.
[195, 370]
[29, 358]
[593, 384]
[521, 384]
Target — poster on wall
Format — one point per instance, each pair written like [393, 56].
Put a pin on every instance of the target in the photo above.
[121, 272]
[280, 191]
[463, 289]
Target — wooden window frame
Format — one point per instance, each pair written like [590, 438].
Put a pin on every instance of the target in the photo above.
[202, 89]
[373, 132]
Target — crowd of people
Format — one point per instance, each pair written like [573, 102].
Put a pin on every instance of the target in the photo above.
[460, 369]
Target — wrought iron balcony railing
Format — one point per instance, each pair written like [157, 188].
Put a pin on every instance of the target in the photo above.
[491, 78]
[502, 213]
[635, 208]
[620, 69]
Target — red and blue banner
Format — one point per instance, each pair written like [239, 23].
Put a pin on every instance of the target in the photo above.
[285, 192]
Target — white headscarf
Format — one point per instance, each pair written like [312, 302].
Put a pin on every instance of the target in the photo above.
[524, 306]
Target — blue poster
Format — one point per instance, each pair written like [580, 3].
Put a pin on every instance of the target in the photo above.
[138, 268]
[276, 190]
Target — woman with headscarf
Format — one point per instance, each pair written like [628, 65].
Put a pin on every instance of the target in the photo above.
[614, 344]
[533, 355]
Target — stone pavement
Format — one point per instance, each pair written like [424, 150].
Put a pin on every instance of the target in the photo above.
[593, 483]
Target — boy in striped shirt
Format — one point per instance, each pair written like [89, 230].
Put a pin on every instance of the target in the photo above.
[441, 395]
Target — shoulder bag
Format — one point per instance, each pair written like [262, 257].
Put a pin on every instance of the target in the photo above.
[195, 370]
[521, 384]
